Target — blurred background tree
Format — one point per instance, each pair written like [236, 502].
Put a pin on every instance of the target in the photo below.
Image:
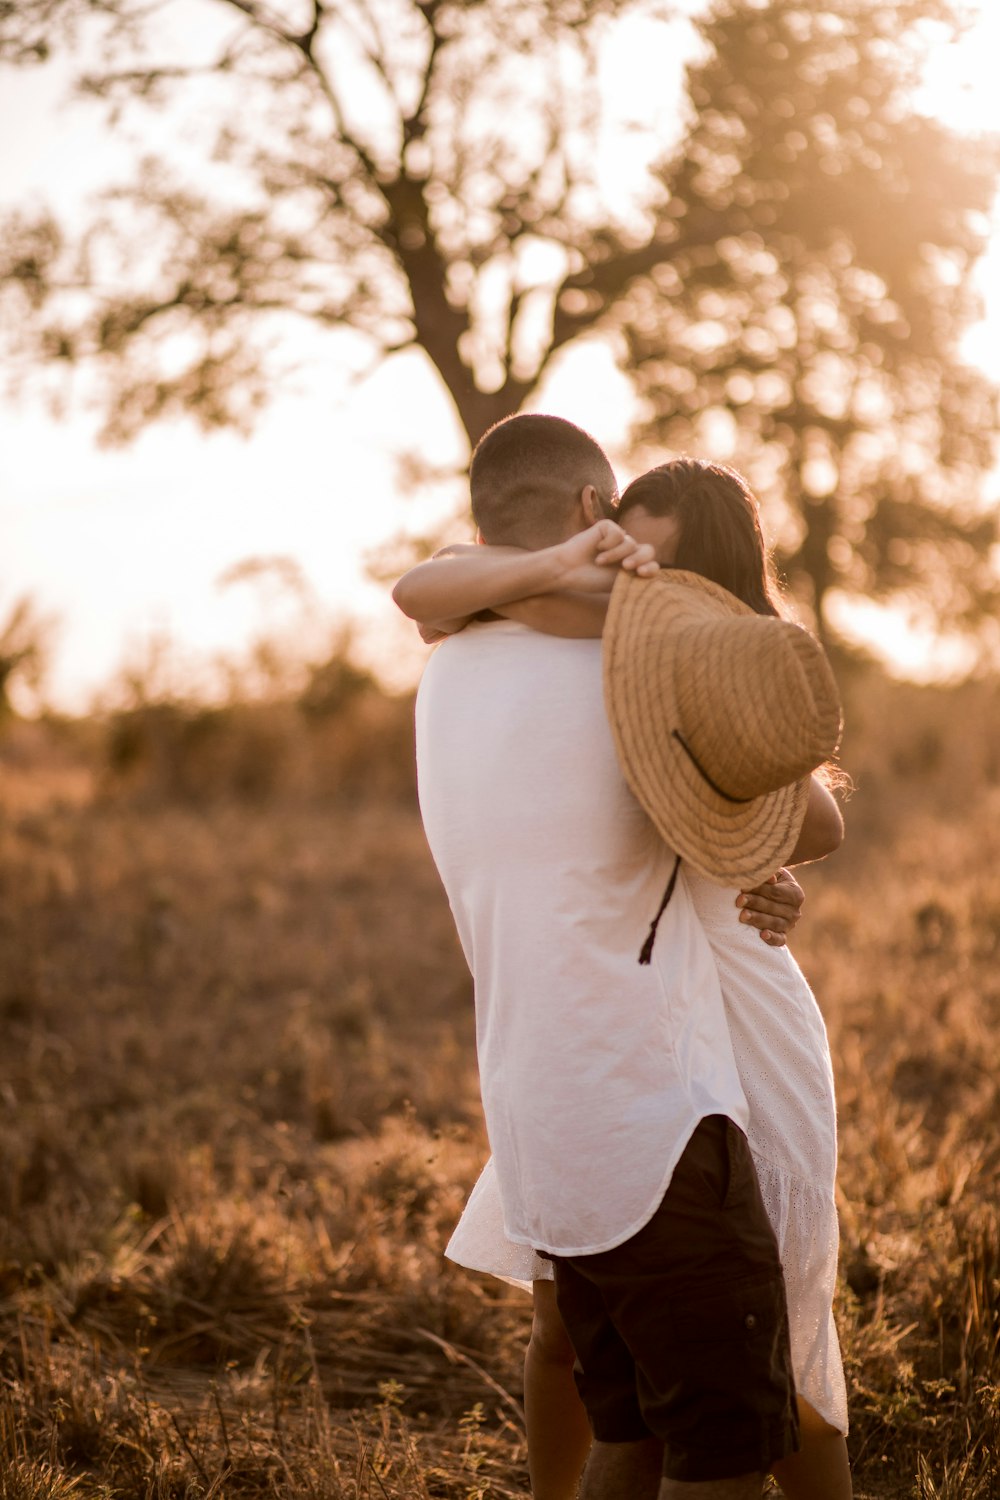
[813, 302]
[26, 638]
[790, 284]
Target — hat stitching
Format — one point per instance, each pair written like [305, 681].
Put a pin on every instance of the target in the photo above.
[701, 769]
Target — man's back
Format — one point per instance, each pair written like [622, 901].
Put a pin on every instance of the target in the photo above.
[594, 1069]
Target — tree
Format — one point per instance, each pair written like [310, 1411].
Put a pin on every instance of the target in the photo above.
[25, 642]
[370, 178]
[821, 328]
[424, 173]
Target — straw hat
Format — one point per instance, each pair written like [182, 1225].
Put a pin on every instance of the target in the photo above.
[718, 715]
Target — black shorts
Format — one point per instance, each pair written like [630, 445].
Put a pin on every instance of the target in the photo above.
[682, 1332]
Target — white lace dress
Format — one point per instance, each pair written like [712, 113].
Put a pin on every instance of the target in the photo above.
[783, 1057]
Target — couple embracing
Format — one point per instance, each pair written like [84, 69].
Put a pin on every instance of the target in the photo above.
[603, 747]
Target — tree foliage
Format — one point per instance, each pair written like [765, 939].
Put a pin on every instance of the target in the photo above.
[821, 327]
[791, 282]
[399, 167]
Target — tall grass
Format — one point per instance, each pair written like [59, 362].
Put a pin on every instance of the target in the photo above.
[239, 1111]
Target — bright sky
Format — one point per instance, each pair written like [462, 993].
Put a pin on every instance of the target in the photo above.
[130, 544]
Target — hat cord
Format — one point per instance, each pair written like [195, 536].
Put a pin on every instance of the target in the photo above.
[646, 952]
[702, 772]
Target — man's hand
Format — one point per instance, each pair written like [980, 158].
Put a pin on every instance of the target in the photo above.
[773, 908]
[588, 561]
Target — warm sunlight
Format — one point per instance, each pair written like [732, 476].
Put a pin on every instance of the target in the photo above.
[561, 1061]
[961, 81]
[961, 89]
[126, 545]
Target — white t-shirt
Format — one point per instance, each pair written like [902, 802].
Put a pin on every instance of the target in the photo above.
[594, 1069]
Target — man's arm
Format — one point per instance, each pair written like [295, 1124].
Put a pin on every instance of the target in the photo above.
[822, 831]
[775, 907]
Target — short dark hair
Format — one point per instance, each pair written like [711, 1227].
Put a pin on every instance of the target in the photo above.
[527, 473]
[720, 531]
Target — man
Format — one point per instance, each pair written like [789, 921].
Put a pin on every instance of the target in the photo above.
[612, 1100]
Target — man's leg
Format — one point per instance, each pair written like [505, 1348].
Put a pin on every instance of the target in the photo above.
[744, 1487]
[624, 1471]
[632, 1471]
[681, 1333]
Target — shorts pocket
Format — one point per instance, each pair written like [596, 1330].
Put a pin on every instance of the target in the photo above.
[741, 1174]
[747, 1315]
[718, 1366]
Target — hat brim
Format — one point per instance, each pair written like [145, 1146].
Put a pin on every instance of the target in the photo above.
[729, 842]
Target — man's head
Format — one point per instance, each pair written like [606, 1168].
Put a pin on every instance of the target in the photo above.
[537, 479]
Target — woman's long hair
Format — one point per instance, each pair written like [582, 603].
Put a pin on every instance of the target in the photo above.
[720, 533]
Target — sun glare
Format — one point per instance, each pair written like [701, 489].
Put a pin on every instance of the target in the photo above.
[960, 85]
[154, 533]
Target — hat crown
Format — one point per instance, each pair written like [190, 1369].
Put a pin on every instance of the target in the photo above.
[752, 703]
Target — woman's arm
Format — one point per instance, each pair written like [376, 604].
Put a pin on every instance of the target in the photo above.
[577, 616]
[447, 591]
[432, 631]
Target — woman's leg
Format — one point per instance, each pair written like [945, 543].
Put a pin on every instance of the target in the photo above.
[820, 1470]
[559, 1435]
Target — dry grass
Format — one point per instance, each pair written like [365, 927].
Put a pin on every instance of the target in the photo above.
[239, 1114]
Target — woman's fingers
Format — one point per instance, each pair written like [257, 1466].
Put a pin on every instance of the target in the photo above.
[607, 533]
[642, 560]
[613, 549]
[636, 557]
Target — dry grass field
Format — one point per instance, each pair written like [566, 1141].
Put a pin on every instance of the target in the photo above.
[239, 1112]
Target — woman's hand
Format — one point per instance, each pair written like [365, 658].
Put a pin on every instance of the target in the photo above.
[589, 559]
[773, 908]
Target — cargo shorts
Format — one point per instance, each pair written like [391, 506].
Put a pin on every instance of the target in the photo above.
[681, 1332]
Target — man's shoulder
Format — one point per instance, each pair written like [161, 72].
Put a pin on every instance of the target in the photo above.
[487, 650]
[487, 659]
[494, 633]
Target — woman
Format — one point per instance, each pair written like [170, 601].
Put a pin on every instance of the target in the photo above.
[701, 517]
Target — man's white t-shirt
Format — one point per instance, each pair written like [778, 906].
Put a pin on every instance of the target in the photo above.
[594, 1069]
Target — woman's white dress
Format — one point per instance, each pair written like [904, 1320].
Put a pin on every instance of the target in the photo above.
[783, 1056]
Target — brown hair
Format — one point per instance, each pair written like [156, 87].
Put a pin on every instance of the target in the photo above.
[720, 532]
[527, 474]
